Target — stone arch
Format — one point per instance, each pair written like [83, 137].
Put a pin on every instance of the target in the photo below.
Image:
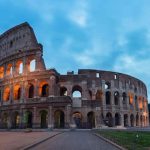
[17, 92]
[59, 119]
[1, 72]
[31, 91]
[77, 117]
[126, 120]
[63, 91]
[91, 120]
[99, 95]
[117, 119]
[6, 94]
[124, 98]
[28, 119]
[108, 97]
[116, 98]
[19, 67]
[132, 120]
[44, 89]
[32, 65]
[109, 119]
[90, 94]
[77, 91]
[5, 120]
[107, 85]
[137, 120]
[44, 118]
[15, 119]
[9, 70]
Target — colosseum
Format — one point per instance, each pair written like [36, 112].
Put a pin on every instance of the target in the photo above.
[32, 96]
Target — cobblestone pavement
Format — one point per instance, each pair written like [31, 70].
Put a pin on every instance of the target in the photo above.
[18, 140]
[76, 140]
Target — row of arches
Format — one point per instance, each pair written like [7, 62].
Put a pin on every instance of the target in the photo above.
[18, 68]
[128, 120]
[17, 92]
[59, 120]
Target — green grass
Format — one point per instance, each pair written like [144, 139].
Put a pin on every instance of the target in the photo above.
[128, 139]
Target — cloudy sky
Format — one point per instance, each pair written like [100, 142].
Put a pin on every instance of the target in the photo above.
[100, 34]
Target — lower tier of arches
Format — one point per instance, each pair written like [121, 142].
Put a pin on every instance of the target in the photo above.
[66, 117]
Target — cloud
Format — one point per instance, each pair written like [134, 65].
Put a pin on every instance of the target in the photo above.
[79, 13]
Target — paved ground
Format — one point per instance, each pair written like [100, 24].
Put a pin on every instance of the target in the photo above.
[17, 140]
[77, 140]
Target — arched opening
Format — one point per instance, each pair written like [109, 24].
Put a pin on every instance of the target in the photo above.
[116, 98]
[77, 92]
[31, 91]
[5, 120]
[19, 67]
[109, 119]
[44, 89]
[44, 119]
[59, 119]
[108, 97]
[117, 119]
[125, 120]
[130, 98]
[77, 117]
[28, 119]
[9, 70]
[99, 95]
[107, 85]
[63, 91]
[32, 65]
[16, 120]
[132, 120]
[17, 92]
[90, 94]
[91, 120]
[6, 94]
[124, 98]
[1, 72]
[137, 120]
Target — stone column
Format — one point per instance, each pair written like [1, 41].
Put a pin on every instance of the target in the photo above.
[25, 67]
[35, 125]
[122, 120]
[103, 96]
[52, 82]
[84, 91]
[36, 88]
[68, 116]
[11, 97]
[50, 123]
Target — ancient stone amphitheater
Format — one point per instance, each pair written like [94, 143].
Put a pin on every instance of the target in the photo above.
[32, 96]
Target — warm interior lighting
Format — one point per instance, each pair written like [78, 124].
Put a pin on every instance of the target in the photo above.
[17, 92]
[9, 69]
[1, 72]
[6, 94]
[19, 67]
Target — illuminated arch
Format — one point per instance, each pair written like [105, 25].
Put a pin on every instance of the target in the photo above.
[17, 92]
[6, 94]
[9, 69]
[19, 67]
[44, 89]
[1, 72]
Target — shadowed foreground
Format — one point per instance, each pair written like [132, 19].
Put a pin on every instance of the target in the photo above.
[75, 141]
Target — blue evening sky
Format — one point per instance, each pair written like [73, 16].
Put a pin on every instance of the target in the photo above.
[98, 34]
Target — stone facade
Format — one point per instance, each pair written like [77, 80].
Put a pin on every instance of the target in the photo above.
[33, 97]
